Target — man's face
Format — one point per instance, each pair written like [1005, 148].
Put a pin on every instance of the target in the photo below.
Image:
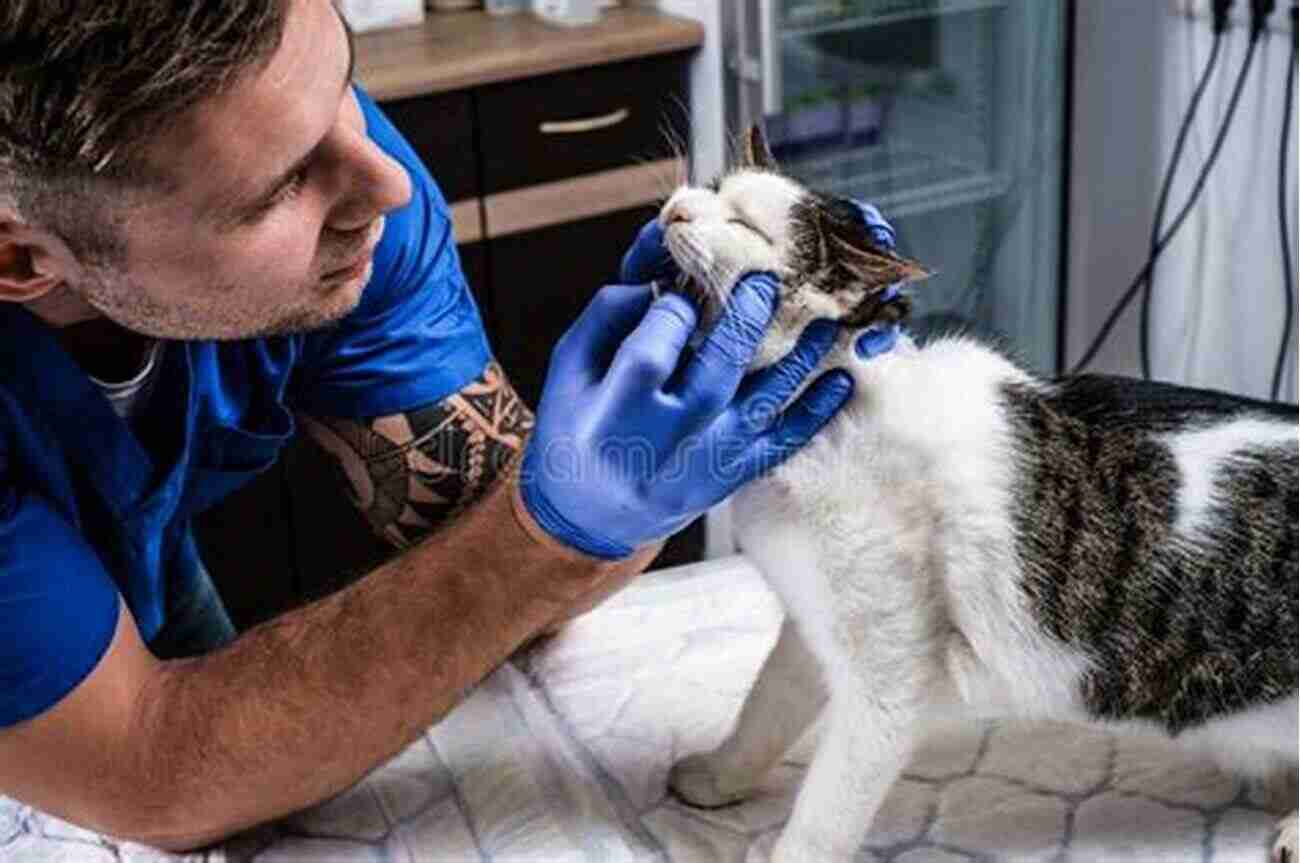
[278, 204]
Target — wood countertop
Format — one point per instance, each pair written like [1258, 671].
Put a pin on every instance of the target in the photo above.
[455, 50]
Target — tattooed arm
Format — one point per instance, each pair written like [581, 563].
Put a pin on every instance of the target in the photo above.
[410, 472]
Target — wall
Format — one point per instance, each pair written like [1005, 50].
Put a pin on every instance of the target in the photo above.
[1218, 305]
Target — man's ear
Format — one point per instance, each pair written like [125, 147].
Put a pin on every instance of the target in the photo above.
[33, 262]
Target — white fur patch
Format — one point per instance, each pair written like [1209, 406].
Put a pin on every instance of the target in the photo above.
[1201, 453]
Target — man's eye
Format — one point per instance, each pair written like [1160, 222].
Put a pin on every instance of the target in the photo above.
[286, 192]
[293, 187]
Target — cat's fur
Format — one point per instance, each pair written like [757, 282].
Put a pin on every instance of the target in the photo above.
[965, 539]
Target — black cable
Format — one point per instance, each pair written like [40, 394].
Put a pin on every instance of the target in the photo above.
[1144, 344]
[1131, 292]
[1282, 162]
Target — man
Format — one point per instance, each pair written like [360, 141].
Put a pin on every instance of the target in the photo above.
[208, 236]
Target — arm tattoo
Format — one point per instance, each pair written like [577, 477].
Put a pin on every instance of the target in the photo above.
[412, 471]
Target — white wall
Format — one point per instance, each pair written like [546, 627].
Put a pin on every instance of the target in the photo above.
[708, 108]
[1218, 305]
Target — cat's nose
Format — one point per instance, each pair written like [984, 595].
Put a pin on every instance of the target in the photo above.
[687, 205]
[676, 211]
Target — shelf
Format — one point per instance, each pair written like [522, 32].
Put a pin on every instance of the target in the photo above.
[457, 50]
[901, 180]
[831, 16]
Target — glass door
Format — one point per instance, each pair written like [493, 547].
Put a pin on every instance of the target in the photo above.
[948, 115]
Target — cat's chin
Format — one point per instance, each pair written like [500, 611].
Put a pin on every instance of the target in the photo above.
[686, 285]
[782, 334]
[705, 304]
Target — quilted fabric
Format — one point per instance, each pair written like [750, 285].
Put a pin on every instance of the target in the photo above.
[563, 755]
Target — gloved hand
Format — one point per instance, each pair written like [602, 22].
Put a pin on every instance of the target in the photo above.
[877, 339]
[633, 439]
[647, 259]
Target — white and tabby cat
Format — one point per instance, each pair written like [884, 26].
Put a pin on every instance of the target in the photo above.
[965, 539]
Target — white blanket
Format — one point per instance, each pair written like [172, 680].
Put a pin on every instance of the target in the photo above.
[562, 757]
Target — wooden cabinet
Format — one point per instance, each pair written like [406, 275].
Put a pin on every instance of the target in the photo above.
[441, 130]
[548, 178]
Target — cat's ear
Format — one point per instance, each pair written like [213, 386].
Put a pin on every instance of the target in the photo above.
[848, 242]
[756, 152]
[873, 266]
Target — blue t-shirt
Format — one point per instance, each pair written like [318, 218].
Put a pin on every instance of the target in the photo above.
[88, 514]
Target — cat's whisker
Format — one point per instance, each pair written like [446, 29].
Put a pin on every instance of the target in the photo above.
[676, 132]
[663, 177]
[678, 145]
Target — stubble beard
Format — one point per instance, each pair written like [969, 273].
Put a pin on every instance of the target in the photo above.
[123, 301]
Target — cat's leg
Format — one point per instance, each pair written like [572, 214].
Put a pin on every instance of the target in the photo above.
[1284, 849]
[784, 701]
[1280, 791]
[865, 747]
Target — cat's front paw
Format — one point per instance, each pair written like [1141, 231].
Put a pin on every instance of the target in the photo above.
[697, 781]
[1284, 849]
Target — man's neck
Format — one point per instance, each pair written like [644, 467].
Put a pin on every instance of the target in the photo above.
[103, 349]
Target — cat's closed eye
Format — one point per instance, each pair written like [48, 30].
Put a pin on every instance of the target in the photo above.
[751, 228]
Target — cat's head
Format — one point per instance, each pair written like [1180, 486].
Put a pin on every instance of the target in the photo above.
[755, 218]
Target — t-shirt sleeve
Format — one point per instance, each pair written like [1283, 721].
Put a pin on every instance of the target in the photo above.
[416, 336]
[58, 607]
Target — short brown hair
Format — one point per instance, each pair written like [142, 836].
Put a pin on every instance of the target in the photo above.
[85, 83]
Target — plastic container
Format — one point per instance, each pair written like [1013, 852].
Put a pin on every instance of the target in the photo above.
[567, 13]
[363, 15]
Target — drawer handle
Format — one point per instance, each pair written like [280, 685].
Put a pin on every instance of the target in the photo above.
[587, 124]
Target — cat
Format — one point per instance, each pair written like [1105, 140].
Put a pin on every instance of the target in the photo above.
[967, 539]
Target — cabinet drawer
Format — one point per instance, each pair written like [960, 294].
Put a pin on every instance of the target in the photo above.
[557, 126]
[440, 128]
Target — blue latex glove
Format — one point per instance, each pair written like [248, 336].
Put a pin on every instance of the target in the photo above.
[878, 338]
[648, 259]
[636, 437]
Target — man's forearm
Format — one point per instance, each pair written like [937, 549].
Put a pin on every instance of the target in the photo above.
[299, 708]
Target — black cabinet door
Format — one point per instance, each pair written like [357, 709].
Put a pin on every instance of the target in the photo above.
[441, 130]
[542, 279]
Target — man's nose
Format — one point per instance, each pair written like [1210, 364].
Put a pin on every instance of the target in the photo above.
[378, 185]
